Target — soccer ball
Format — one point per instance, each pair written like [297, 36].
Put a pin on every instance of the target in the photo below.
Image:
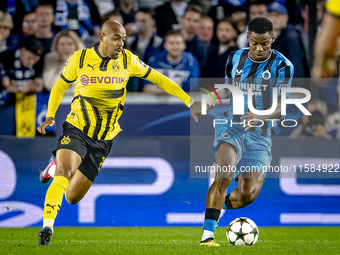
[242, 231]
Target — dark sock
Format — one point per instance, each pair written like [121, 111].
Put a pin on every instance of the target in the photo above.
[211, 218]
[228, 202]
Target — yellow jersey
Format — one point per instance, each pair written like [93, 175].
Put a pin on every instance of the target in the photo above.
[333, 6]
[100, 90]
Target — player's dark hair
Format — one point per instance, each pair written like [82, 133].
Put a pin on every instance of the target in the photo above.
[193, 8]
[173, 32]
[260, 26]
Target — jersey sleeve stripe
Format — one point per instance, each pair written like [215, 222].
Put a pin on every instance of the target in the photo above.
[237, 75]
[85, 115]
[65, 79]
[147, 73]
[287, 74]
[266, 93]
[229, 67]
[124, 59]
[282, 64]
[82, 57]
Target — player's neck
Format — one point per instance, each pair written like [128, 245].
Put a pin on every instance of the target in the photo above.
[101, 51]
[173, 59]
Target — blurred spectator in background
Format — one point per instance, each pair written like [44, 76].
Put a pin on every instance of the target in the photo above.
[303, 27]
[227, 8]
[44, 18]
[329, 89]
[18, 74]
[113, 15]
[17, 10]
[227, 33]
[31, 5]
[105, 6]
[6, 24]
[313, 125]
[174, 63]
[205, 33]
[190, 23]
[288, 40]
[65, 43]
[324, 62]
[168, 16]
[257, 9]
[144, 42]
[127, 11]
[204, 4]
[29, 26]
[80, 16]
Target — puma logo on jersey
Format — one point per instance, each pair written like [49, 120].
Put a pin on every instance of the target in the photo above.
[91, 66]
[239, 72]
[51, 206]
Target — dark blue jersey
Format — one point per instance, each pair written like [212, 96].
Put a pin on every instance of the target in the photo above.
[261, 76]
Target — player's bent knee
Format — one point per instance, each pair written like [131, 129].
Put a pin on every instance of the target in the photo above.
[248, 196]
[72, 199]
[223, 183]
[64, 170]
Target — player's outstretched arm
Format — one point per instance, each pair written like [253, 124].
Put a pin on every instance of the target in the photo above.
[196, 109]
[49, 122]
[169, 86]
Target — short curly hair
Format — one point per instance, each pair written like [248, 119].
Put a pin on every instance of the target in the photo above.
[260, 26]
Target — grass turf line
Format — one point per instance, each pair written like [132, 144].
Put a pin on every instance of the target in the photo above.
[184, 240]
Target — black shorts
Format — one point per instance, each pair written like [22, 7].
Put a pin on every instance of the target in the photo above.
[93, 152]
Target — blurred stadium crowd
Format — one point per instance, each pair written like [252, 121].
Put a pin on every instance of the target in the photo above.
[181, 39]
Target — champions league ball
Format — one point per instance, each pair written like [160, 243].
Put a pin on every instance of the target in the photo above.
[242, 231]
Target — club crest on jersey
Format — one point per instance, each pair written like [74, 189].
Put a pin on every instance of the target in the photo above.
[65, 140]
[266, 75]
[115, 66]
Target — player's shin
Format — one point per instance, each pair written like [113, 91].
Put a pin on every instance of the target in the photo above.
[210, 222]
[53, 199]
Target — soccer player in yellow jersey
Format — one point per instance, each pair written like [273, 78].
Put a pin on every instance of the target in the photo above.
[326, 43]
[101, 74]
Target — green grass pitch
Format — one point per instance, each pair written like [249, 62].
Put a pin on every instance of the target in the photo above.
[184, 240]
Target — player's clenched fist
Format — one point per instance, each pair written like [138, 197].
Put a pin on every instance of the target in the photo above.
[49, 122]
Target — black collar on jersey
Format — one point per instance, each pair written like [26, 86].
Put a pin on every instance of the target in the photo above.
[271, 52]
[107, 59]
[98, 53]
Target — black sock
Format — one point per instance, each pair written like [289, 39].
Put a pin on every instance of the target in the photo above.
[228, 202]
[212, 214]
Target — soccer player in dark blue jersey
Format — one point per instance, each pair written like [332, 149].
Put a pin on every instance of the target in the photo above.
[244, 149]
